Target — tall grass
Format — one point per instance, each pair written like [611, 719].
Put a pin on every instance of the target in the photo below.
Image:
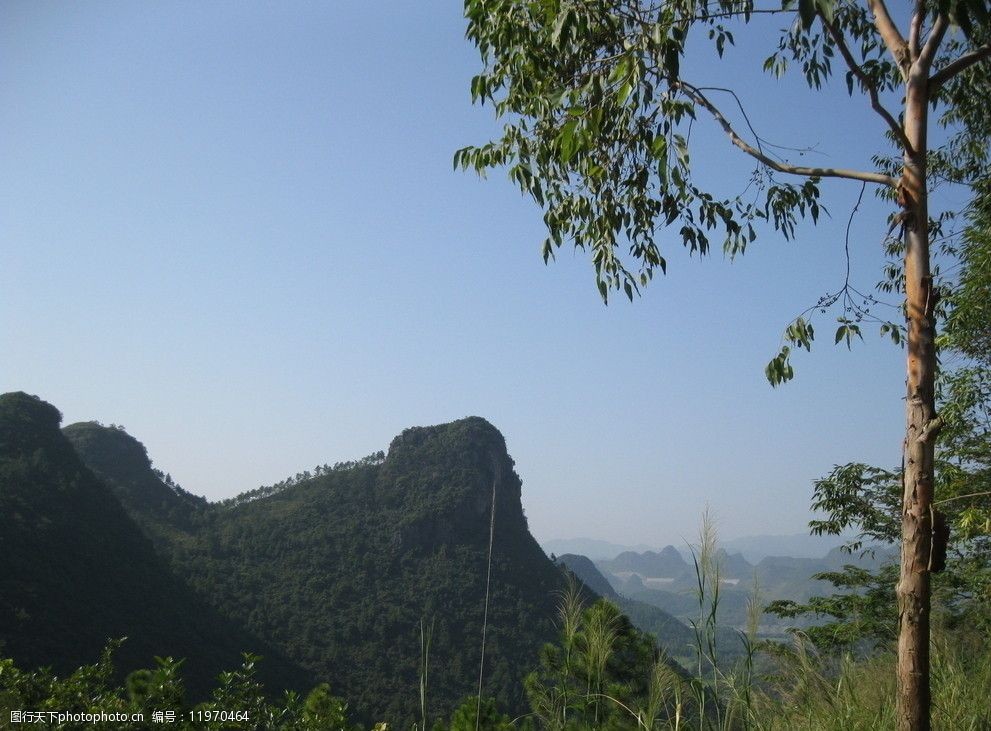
[707, 577]
[812, 695]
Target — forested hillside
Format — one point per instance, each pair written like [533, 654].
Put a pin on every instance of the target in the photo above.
[341, 570]
[351, 573]
[75, 571]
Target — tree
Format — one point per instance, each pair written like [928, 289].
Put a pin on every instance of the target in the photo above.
[598, 107]
[866, 499]
[472, 715]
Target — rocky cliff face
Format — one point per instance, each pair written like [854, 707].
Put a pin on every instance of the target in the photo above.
[443, 480]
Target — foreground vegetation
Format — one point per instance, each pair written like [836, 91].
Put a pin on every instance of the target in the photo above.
[601, 673]
[604, 677]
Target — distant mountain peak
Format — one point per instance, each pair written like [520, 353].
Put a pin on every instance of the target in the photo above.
[594, 548]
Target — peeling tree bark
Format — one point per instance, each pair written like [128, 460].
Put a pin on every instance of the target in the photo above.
[918, 474]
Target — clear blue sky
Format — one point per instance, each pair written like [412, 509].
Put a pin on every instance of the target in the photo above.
[233, 227]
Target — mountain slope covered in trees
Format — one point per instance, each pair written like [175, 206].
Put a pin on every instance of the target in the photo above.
[342, 570]
[75, 571]
[350, 572]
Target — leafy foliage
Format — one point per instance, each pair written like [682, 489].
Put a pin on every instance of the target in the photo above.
[598, 130]
[472, 715]
[600, 107]
[154, 698]
[806, 692]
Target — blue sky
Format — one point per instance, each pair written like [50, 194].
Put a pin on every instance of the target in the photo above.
[234, 228]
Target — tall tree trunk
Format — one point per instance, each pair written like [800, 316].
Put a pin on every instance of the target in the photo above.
[918, 470]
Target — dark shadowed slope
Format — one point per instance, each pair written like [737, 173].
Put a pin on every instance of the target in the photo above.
[75, 570]
[586, 572]
[122, 463]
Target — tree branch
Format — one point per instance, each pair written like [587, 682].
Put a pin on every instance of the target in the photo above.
[890, 34]
[915, 29]
[961, 497]
[930, 430]
[640, 15]
[928, 52]
[966, 61]
[699, 98]
[866, 83]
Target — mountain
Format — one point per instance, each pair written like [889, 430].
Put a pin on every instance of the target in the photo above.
[666, 581]
[75, 570]
[343, 570]
[122, 462]
[785, 577]
[753, 548]
[734, 566]
[667, 565]
[593, 548]
[797, 545]
[585, 570]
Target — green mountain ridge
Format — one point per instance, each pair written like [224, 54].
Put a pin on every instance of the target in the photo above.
[341, 570]
[586, 571]
[332, 578]
[75, 570]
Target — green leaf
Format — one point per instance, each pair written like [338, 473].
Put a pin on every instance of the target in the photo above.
[807, 12]
[846, 331]
[621, 70]
[567, 141]
[659, 148]
[624, 92]
[779, 370]
[827, 8]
